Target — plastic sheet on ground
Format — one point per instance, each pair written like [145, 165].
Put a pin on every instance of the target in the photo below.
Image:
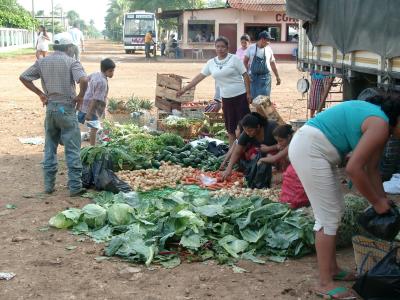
[36, 140]
[393, 185]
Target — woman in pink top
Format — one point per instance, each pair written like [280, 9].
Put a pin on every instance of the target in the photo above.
[244, 41]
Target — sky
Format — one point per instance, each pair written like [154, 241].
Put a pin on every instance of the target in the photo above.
[87, 9]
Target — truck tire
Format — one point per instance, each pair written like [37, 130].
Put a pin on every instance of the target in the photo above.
[353, 86]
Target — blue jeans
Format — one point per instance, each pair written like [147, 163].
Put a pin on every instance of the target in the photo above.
[147, 47]
[61, 124]
[260, 85]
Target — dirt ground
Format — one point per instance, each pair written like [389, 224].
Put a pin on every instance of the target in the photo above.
[45, 269]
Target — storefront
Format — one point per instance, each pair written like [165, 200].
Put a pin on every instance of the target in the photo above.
[198, 28]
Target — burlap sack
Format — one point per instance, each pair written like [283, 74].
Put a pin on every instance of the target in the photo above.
[263, 106]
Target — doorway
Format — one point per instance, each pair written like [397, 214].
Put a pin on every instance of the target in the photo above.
[230, 32]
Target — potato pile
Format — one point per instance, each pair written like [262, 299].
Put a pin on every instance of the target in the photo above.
[237, 192]
[151, 179]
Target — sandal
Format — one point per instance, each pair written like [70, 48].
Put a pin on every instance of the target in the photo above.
[335, 294]
[344, 275]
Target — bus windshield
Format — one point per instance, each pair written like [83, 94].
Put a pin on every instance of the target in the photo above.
[136, 26]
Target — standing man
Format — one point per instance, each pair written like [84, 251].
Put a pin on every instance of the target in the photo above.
[78, 40]
[148, 39]
[259, 61]
[163, 42]
[58, 73]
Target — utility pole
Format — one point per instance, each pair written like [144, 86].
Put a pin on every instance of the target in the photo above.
[52, 17]
[33, 29]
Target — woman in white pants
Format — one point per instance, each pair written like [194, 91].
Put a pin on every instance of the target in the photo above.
[360, 127]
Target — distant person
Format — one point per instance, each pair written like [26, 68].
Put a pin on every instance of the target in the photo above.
[231, 77]
[212, 38]
[244, 42]
[58, 73]
[163, 42]
[172, 46]
[148, 40]
[42, 43]
[95, 99]
[259, 61]
[78, 40]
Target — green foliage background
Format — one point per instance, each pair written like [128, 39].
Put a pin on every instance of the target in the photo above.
[13, 15]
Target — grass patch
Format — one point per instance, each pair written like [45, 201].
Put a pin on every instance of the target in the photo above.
[14, 53]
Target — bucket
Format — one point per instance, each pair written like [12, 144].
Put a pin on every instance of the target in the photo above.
[297, 123]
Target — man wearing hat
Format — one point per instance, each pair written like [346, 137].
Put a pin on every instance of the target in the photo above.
[259, 61]
[58, 73]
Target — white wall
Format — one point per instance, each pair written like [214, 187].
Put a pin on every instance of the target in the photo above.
[12, 39]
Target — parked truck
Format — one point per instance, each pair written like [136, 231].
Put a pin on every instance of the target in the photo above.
[357, 40]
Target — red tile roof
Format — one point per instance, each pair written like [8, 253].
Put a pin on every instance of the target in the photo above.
[258, 5]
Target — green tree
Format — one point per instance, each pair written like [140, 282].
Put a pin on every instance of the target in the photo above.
[216, 3]
[115, 17]
[72, 16]
[13, 15]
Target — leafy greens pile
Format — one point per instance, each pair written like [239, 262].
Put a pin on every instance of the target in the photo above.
[163, 226]
[130, 147]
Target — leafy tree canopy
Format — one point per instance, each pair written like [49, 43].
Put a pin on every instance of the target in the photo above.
[13, 15]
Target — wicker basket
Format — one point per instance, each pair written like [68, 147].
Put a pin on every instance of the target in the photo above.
[368, 251]
[186, 133]
[120, 118]
[214, 117]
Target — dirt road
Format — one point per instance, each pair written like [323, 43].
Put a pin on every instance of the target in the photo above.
[45, 269]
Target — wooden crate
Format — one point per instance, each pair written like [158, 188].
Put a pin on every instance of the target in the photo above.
[167, 105]
[169, 84]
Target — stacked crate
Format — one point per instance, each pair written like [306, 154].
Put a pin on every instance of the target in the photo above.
[167, 87]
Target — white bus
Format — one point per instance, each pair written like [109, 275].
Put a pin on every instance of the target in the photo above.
[136, 25]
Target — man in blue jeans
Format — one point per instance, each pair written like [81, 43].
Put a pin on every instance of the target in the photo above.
[259, 61]
[58, 73]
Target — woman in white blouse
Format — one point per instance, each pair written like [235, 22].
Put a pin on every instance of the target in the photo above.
[231, 77]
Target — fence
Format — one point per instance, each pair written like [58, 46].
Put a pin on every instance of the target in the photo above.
[13, 39]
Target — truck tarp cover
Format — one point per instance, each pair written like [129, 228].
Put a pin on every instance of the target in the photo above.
[367, 25]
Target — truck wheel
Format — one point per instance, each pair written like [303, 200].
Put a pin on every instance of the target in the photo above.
[127, 51]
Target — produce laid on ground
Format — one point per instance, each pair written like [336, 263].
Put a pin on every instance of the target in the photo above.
[182, 209]
[165, 226]
[130, 147]
[196, 157]
[172, 175]
[146, 180]
[238, 192]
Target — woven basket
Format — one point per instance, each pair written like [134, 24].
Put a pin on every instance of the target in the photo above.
[368, 251]
[186, 133]
[120, 118]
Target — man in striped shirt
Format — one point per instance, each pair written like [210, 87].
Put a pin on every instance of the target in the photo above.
[58, 73]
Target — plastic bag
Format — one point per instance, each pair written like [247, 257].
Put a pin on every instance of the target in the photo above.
[385, 226]
[257, 176]
[103, 178]
[207, 180]
[292, 190]
[382, 282]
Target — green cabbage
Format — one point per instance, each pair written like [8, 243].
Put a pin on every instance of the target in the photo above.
[94, 215]
[66, 218]
[120, 214]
